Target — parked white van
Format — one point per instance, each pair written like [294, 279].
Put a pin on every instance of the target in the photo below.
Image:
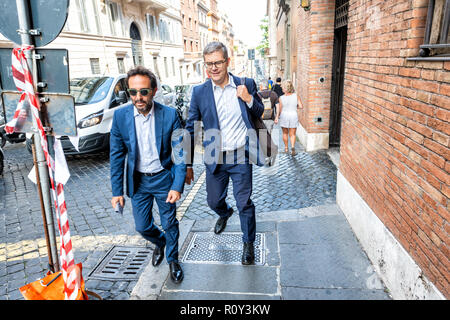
[96, 99]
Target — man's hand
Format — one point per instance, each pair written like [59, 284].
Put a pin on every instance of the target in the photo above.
[242, 93]
[189, 175]
[173, 196]
[118, 199]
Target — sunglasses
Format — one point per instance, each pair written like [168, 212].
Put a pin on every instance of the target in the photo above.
[143, 92]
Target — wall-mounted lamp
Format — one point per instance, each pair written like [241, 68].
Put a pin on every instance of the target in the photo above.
[305, 4]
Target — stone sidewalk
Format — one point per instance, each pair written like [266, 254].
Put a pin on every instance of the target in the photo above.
[302, 182]
[310, 254]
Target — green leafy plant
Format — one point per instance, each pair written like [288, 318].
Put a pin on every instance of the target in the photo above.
[264, 44]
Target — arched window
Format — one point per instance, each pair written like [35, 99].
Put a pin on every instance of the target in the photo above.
[134, 32]
[136, 45]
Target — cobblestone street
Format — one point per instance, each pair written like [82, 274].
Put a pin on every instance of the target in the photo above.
[300, 181]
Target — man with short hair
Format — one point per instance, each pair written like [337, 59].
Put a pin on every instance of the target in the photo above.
[227, 103]
[143, 132]
[271, 97]
[277, 87]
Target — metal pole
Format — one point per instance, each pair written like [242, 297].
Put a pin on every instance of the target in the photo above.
[24, 28]
[44, 218]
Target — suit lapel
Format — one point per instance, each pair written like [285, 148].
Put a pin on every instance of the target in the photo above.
[159, 120]
[132, 129]
[242, 104]
[211, 102]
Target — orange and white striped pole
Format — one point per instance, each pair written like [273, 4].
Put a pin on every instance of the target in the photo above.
[57, 169]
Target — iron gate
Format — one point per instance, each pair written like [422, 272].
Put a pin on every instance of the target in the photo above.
[338, 71]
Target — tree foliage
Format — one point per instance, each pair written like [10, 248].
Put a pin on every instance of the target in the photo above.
[264, 44]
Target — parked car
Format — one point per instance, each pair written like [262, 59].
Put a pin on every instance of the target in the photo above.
[168, 95]
[183, 101]
[96, 100]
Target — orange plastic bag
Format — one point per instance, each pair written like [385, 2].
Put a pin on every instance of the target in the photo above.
[51, 287]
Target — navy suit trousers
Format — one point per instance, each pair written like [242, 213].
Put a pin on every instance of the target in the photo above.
[217, 188]
[156, 187]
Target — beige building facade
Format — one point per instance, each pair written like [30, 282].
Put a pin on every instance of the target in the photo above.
[109, 37]
[167, 36]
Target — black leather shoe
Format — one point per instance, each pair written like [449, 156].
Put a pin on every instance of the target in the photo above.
[248, 254]
[158, 255]
[222, 223]
[176, 273]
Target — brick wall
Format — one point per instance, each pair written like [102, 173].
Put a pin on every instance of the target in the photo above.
[302, 86]
[395, 129]
[314, 34]
[280, 46]
[190, 27]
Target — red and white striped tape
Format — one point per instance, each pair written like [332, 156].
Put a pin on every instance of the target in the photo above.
[24, 83]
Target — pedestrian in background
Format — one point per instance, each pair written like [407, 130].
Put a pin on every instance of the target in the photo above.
[227, 102]
[270, 83]
[287, 115]
[143, 132]
[268, 96]
[277, 87]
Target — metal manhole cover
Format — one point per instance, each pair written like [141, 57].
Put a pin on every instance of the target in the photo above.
[224, 248]
[122, 263]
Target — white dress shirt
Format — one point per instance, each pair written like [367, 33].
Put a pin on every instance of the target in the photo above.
[147, 155]
[231, 124]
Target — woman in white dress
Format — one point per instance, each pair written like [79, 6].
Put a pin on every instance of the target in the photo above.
[287, 115]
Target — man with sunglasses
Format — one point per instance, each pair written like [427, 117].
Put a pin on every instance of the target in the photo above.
[226, 104]
[144, 131]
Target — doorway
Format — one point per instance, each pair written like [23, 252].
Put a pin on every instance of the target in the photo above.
[338, 71]
[136, 45]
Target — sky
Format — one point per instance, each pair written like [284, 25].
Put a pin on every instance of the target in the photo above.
[245, 16]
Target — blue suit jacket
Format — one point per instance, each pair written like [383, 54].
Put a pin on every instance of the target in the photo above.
[123, 141]
[203, 107]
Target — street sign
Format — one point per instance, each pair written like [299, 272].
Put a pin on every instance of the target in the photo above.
[6, 76]
[251, 54]
[60, 112]
[52, 69]
[47, 19]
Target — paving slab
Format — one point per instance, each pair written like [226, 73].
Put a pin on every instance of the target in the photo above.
[323, 253]
[292, 293]
[227, 279]
[179, 295]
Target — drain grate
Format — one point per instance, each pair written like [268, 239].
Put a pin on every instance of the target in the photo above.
[122, 263]
[224, 248]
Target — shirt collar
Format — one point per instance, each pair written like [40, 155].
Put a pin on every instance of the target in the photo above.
[136, 112]
[230, 83]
